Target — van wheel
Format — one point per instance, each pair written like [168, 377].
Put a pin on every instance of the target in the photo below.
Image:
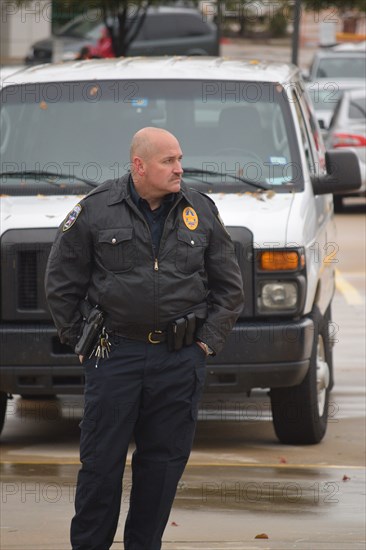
[3, 404]
[300, 413]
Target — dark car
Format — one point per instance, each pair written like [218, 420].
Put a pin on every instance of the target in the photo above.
[165, 31]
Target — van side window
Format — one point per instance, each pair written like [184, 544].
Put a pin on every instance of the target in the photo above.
[162, 27]
[170, 26]
[304, 134]
[314, 132]
[190, 26]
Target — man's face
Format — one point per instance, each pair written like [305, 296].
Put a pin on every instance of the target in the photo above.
[162, 167]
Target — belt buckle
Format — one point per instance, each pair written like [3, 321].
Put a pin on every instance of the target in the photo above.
[150, 336]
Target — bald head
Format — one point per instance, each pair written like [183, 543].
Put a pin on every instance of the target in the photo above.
[147, 140]
[156, 164]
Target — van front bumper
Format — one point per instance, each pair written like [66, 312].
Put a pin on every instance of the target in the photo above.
[262, 355]
[256, 355]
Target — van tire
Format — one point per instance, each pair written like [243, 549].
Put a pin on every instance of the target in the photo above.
[300, 413]
[3, 404]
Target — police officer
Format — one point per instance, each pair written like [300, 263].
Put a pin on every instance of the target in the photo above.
[150, 252]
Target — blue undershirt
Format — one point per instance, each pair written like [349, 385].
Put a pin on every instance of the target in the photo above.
[155, 218]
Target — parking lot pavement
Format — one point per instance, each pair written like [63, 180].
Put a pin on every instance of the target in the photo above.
[217, 507]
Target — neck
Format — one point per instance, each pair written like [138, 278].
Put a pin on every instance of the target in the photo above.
[154, 203]
[145, 193]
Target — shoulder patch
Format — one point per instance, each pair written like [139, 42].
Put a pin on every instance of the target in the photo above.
[72, 217]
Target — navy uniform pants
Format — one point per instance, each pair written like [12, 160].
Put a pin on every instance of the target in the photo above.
[145, 391]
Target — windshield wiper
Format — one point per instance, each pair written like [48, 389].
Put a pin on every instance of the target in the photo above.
[46, 176]
[199, 171]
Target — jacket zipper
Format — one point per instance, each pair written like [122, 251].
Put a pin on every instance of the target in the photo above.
[156, 259]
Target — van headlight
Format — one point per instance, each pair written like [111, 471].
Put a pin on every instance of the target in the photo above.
[277, 296]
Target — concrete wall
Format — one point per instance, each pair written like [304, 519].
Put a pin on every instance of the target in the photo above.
[21, 26]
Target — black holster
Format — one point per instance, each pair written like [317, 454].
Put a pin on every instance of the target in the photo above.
[93, 324]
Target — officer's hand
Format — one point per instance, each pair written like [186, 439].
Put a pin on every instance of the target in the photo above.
[81, 358]
[202, 346]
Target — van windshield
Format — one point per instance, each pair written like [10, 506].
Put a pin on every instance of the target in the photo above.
[241, 130]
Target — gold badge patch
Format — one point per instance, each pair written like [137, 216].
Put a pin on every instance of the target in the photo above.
[190, 218]
[72, 217]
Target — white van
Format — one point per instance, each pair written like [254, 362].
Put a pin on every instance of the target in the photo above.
[251, 141]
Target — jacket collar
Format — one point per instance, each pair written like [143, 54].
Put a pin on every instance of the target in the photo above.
[119, 191]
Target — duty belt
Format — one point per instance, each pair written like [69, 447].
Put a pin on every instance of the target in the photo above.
[143, 335]
[178, 333]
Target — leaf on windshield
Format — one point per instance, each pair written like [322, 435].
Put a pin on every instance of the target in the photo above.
[283, 460]
[93, 91]
[258, 195]
[43, 105]
[39, 196]
[270, 194]
[262, 536]
[345, 478]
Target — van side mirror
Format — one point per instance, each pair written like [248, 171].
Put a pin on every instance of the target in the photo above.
[343, 173]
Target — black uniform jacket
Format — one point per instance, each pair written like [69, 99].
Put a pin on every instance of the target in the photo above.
[103, 250]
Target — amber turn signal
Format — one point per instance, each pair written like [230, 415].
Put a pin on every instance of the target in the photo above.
[280, 260]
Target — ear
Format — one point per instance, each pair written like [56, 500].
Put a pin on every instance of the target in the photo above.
[138, 165]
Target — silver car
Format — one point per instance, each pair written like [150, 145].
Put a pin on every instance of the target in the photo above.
[348, 129]
[338, 63]
[325, 94]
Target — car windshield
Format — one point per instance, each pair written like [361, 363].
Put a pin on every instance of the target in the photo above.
[230, 132]
[342, 67]
[325, 100]
[82, 27]
[357, 108]
[90, 26]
